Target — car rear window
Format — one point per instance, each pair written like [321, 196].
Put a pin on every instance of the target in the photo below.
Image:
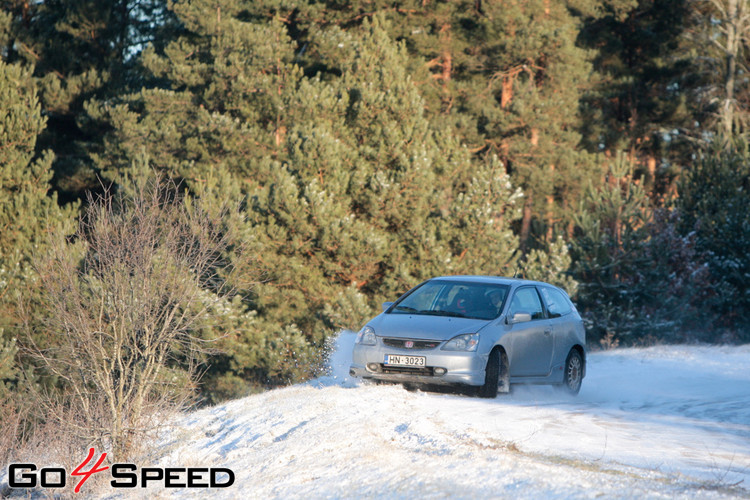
[557, 304]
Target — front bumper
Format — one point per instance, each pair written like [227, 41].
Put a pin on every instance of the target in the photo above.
[461, 368]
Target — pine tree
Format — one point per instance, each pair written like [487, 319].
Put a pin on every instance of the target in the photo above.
[223, 106]
[80, 50]
[26, 209]
[714, 208]
[219, 125]
[611, 231]
[352, 194]
[644, 87]
[666, 273]
[374, 199]
[508, 77]
[523, 91]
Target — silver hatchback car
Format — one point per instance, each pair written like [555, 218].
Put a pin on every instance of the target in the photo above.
[481, 331]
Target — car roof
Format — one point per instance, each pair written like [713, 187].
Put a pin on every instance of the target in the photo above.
[497, 280]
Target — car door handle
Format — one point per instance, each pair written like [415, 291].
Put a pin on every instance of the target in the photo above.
[547, 331]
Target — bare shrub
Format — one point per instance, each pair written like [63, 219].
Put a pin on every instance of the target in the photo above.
[11, 429]
[124, 297]
[48, 443]
[609, 341]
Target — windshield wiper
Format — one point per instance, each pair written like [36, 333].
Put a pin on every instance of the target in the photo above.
[405, 308]
[443, 313]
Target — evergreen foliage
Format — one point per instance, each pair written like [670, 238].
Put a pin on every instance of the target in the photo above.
[8, 366]
[508, 77]
[643, 275]
[714, 209]
[80, 50]
[402, 203]
[366, 146]
[607, 250]
[27, 211]
[352, 195]
[523, 89]
[221, 126]
[552, 266]
[645, 88]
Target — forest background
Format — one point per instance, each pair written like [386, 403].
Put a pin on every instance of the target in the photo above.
[335, 154]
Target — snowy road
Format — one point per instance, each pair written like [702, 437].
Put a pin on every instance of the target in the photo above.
[661, 422]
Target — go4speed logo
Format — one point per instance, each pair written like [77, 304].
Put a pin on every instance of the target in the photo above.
[124, 475]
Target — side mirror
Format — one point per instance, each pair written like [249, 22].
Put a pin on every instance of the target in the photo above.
[387, 305]
[519, 317]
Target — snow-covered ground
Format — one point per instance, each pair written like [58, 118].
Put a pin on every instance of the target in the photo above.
[660, 422]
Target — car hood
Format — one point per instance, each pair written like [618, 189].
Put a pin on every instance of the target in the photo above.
[415, 326]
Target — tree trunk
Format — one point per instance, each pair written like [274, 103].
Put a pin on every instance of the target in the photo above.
[732, 47]
[650, 184]
[526, 222]
[551, 206]
[506, 93]
[528, 206]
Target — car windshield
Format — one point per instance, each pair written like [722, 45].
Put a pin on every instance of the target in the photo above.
[454, 298]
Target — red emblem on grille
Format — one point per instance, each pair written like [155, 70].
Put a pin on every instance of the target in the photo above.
[408, 344]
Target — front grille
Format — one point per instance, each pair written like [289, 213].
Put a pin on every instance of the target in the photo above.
[418, 344]
[426, 371]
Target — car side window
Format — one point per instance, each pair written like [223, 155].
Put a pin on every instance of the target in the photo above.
[557, 304]
[526, 300]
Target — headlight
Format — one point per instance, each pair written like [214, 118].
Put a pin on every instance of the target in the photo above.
[366, 336]
[467, 342]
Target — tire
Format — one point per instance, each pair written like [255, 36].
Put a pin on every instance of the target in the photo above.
[573, 374]
[496, 375]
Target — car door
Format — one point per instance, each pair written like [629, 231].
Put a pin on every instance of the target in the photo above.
[532, 342]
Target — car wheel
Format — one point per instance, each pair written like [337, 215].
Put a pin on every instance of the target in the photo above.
[573, 375]
[496, 375]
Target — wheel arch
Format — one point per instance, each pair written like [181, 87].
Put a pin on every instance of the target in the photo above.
[502, 350]
[582, 353]
[499, 347]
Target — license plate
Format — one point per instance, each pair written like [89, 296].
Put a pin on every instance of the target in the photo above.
[397, 359]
